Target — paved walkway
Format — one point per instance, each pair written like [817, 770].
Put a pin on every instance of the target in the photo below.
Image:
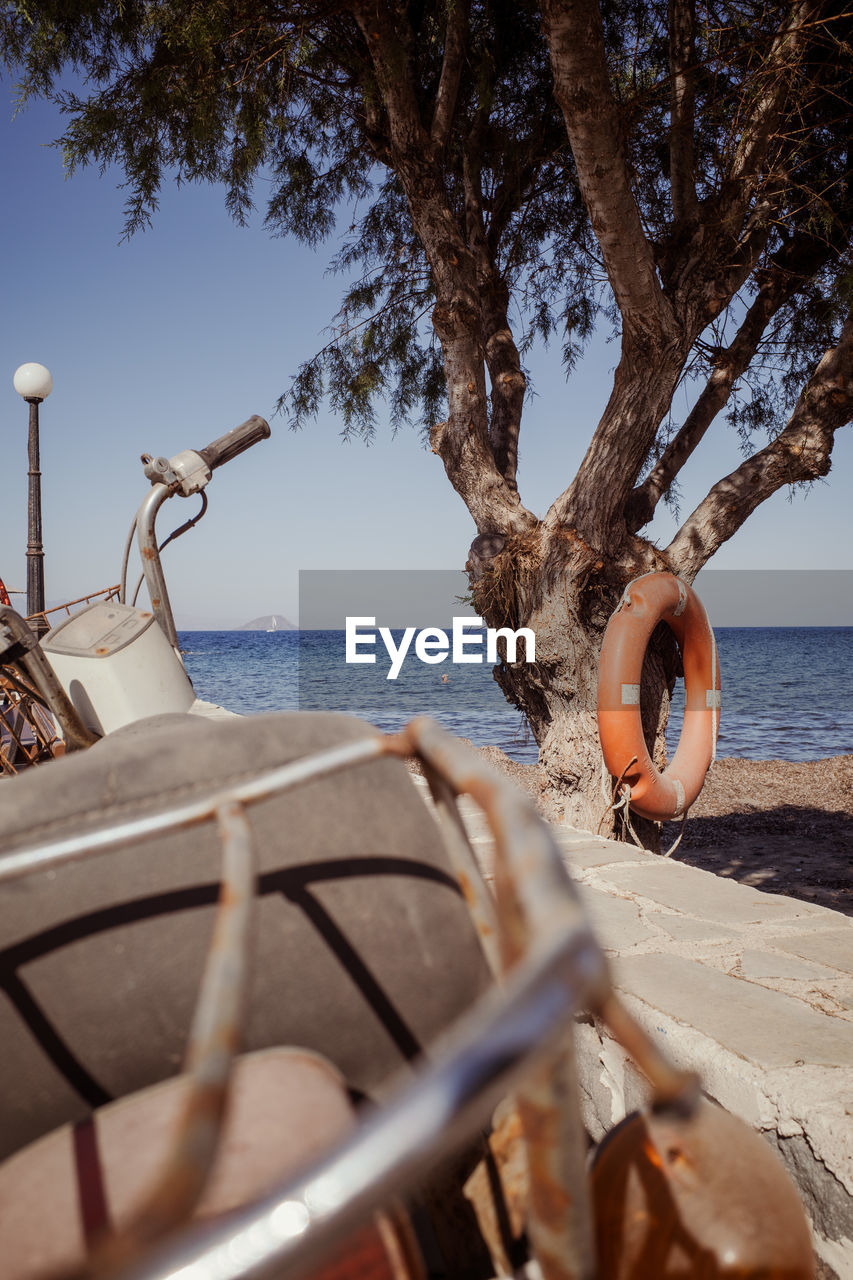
[753, 990]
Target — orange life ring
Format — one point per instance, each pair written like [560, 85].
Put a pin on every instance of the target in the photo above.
[4, 594]
[654, 598]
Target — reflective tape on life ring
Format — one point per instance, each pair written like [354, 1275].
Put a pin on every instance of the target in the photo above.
[654, 598]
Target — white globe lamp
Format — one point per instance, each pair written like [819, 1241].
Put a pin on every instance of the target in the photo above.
[33, 381]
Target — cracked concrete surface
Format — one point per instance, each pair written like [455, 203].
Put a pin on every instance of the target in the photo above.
[753, 990]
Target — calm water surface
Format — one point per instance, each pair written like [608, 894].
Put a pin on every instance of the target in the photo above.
[786, 690]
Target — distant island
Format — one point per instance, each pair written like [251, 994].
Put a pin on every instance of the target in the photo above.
[269, 622]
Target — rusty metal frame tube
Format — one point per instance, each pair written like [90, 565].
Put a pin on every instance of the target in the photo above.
[536, 900]
[10, 719]
[35, 664]
[146, 536]
[296, 1224]
[212, 1046]
[554, 967]
[479, 898]
[120, 834]
[560, 1218]
[125, 561]
[109, 593]
[215, 1033]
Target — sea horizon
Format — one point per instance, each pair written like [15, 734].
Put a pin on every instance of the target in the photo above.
[784, 690]
[746, 626]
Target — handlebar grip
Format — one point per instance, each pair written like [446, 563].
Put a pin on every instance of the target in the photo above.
[238, 440]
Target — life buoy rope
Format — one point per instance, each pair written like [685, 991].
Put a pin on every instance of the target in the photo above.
[648, 600]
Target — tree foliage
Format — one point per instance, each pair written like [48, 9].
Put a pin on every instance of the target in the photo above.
[683, 170]
[285, 97]
[507, 172]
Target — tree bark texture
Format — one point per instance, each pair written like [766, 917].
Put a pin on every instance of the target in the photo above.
[483, 479]
[552, 584]
[563, 574]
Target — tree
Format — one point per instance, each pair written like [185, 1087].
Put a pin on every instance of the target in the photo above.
[679, 172]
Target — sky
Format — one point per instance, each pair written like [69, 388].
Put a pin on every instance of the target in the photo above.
[164, 342]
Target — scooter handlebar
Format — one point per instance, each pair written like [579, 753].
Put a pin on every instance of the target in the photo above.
[235, 441]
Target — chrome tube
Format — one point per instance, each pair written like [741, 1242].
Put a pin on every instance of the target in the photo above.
[536, 901]
[478, 897]
[214, 1037]
[152, 567]
[295, 1225]
[120, 834]
[519, 1036]
[36, 665]
[125, 562]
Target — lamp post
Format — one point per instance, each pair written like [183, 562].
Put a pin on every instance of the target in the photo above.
[34, 383]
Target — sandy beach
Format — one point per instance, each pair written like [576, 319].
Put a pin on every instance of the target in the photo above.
[781, 826]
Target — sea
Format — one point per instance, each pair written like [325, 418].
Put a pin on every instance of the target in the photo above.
[786, 691]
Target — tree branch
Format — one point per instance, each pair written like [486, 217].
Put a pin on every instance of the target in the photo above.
[682, 100]
[704, 270]
[388, 55]
[463, 441]
[573, 29]
[499, 347]
[470, 466]
[594, 503]
[654, 345]
[757, 132]
[508, 381]
[451, 71]
[797, 264]
[799, 453]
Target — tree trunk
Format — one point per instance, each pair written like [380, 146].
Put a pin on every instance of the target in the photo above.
[567, 602]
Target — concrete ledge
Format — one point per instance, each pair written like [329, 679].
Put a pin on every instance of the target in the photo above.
[752, 990]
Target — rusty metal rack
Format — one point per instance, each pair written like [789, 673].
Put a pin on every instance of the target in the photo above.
[519, 1038]
[30, 695]
[37, 719]
[27, 732]
[41, 621]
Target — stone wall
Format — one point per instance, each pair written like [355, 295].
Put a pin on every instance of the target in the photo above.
[752, 990]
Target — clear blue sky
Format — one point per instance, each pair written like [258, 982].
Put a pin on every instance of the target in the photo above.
[165, 342]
